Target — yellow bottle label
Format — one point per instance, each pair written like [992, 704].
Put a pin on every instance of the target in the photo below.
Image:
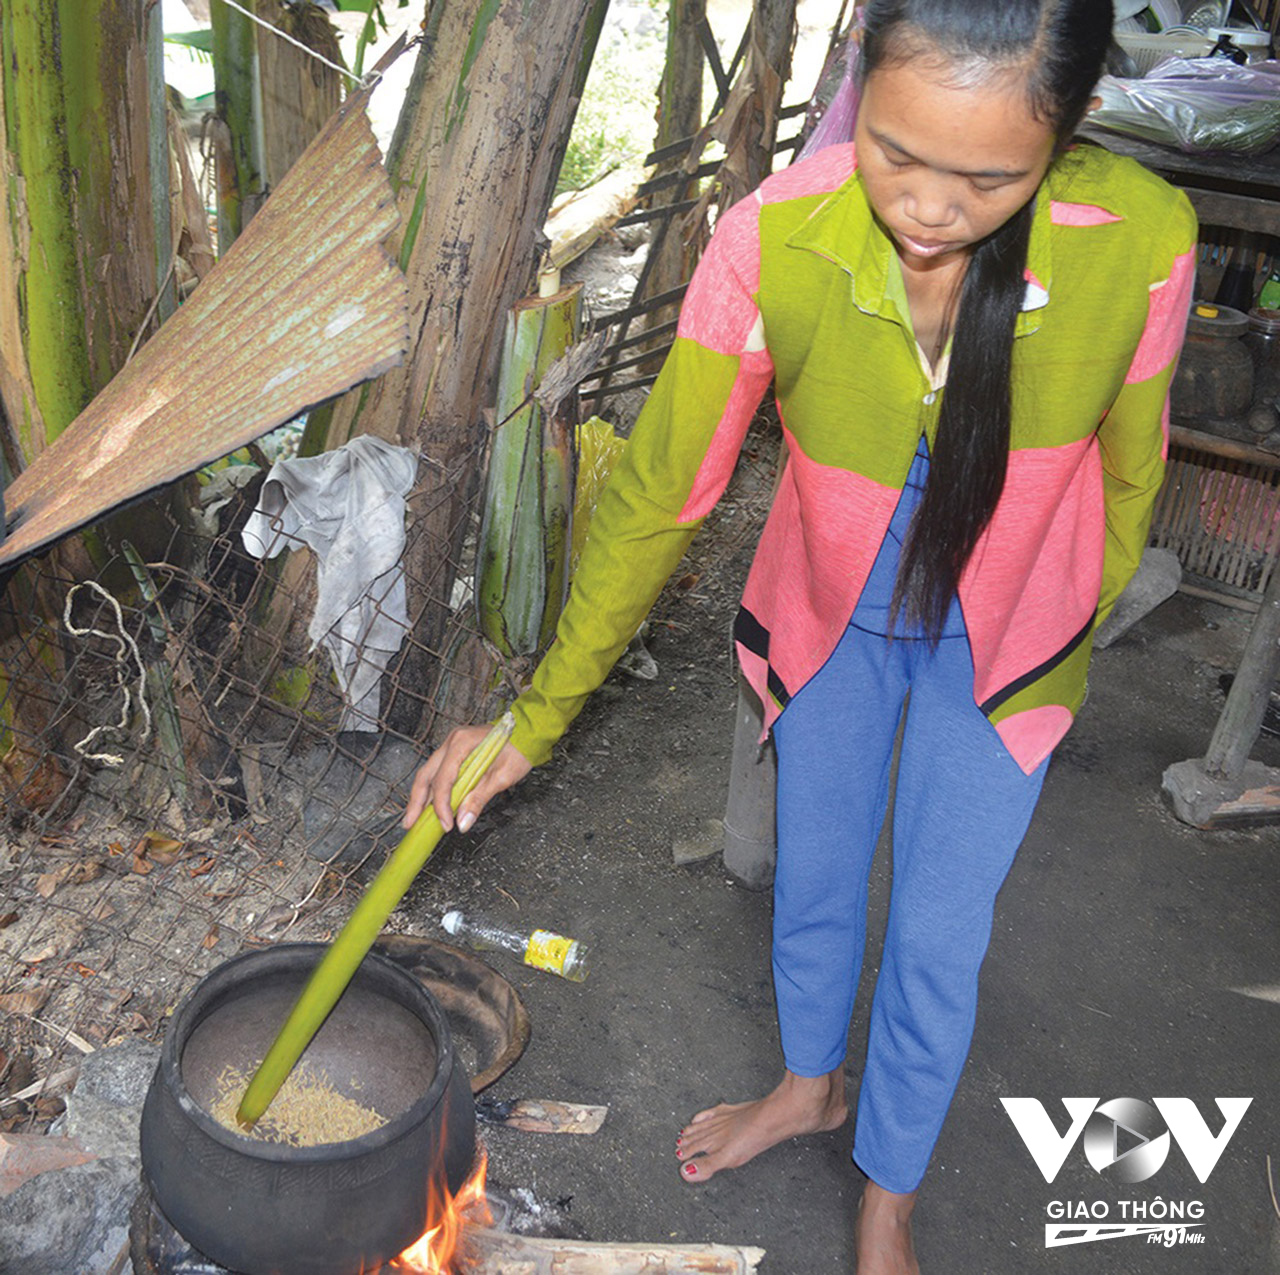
[547, 951]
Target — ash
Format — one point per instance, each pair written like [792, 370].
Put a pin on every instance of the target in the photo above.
[518, 1211]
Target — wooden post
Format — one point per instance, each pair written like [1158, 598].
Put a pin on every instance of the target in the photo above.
[1227, 788]
[750, 841]
[1241, 718]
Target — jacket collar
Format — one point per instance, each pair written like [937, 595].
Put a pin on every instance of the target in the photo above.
[844, 231]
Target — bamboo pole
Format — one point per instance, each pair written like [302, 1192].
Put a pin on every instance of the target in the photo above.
[330, 978]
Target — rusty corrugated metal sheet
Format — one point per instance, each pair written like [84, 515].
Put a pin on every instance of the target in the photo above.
[306, 304]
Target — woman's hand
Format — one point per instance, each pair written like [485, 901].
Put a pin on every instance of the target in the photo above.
[436, 776]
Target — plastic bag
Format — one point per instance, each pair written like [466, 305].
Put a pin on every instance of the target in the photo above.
[835, 124]
[1197, 104]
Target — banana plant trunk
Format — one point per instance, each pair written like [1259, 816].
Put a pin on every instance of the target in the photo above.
[522, 572]
[475, 158]
[240, 143]
[84, 250]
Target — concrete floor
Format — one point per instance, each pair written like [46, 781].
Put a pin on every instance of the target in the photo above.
[1123, 940]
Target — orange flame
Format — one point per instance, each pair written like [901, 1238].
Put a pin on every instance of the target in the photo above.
[433, 1251]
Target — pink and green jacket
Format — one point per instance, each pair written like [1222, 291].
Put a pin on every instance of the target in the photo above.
[800, 286]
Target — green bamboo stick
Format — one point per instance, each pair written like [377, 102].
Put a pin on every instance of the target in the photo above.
[330, 978]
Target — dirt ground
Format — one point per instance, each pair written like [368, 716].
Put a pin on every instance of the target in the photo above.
[1132, 957]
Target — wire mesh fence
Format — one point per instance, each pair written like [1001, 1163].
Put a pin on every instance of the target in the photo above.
[177, 786]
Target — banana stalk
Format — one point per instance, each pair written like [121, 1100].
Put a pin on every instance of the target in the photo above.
[330, 978]
[523, 560]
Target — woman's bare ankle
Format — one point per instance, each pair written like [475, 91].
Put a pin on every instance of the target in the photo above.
[825, 1092]
[882, 1234]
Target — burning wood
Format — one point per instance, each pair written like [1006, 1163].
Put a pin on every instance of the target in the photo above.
[434, 1252]
[532, 1115]
[487, 1252]
[463, 1241]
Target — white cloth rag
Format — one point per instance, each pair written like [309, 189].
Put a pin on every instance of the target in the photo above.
[347, 506]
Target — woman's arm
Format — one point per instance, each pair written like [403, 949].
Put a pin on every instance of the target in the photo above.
[1134, 436]
[676, 464]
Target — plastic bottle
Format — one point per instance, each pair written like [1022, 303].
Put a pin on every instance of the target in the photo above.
[542, 949]
[1236, 288]
[1270, 298]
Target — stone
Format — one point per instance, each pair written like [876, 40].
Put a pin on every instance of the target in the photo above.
[357, 795]
[706, 840]
[77, 1218]
[105, 1106]
[73, 1219]
[1157, 578]
[1208, 801]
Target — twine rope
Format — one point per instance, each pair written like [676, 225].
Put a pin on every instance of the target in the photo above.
[124, 643]
[372, 78]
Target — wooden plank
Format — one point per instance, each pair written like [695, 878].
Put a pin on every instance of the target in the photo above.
[487, 1252]
[1216, 445]
[1240, 212]
[1259, 174]
[541, 1115]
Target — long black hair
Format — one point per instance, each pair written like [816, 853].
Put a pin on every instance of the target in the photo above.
[1061, 46]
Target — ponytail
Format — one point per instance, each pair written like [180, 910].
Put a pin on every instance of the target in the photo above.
[971, 449]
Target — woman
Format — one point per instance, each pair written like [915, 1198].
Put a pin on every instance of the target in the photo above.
[970, 327]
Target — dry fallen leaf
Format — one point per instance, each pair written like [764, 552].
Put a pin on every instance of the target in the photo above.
[101, 911]
[160, 850]
[85, 871]
[38, 954]
[140, 865]
[49, 1108]
[83, 970]
[28, 1002]
[205, 865]
[211, 939]
[20, 1073]
[8, 919]
[48, 882]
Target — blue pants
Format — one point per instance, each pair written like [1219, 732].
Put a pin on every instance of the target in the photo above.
[961, 809]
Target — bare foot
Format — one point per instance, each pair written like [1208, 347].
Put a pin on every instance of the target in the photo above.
[882, 1236]
[726, 1136]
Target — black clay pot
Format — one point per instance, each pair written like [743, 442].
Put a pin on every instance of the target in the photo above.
[342, 1208]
